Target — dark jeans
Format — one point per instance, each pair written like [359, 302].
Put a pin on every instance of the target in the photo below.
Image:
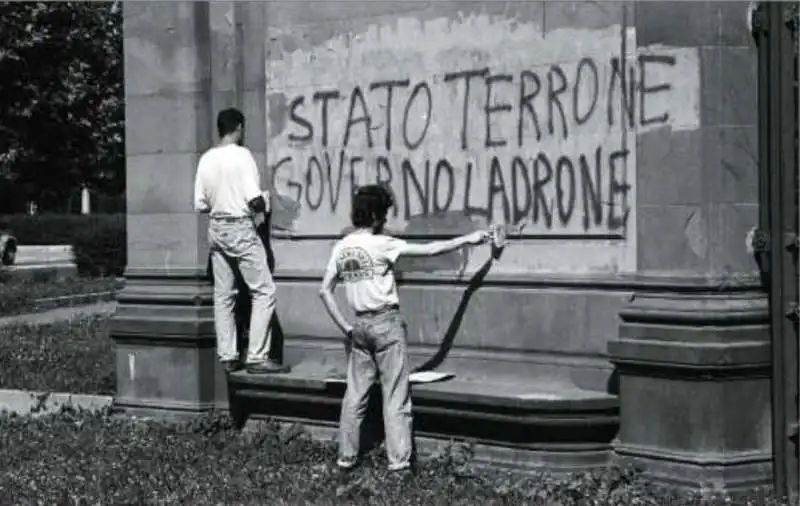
[379, 351]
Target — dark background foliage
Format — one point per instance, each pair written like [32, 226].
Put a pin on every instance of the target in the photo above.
[62, 97]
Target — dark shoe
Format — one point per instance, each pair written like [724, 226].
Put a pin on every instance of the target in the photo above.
[267, 367]
[231, 366]
[403, 474]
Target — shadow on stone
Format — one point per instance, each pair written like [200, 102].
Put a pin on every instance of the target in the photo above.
[455, 324]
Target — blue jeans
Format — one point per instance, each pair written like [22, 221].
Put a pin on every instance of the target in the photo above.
[235, 245]
[379, 351]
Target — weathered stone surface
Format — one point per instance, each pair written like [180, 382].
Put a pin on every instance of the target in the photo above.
[739, 92]
[672, 238]
[670, 168]
[157, 183]
[677, 23]
[729, 225]
[167, 123]
[731, 165]
[577, 14]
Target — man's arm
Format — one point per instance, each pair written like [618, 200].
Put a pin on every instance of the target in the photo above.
[326, 294]
[257, 200]
[201, 204]
[440, 247]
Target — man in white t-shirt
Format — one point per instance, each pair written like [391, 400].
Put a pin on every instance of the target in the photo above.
[377, 343]
[227, 187]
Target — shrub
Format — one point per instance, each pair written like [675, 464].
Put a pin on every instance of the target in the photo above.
[99, 241]
[74, 356]
[102, 250]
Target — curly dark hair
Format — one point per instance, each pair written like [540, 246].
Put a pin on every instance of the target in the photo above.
[370, 205]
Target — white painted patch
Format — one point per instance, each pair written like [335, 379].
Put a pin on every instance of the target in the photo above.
[564, 159]
[540, 396]
[132, 366]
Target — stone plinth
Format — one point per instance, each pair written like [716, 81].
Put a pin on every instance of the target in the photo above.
[694, 384]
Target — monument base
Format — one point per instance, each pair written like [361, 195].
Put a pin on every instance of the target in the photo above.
[694, 386]
[165, 345]
[526, 425]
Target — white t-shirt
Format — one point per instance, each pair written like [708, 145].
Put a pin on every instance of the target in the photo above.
[364, 262]
[227, 179]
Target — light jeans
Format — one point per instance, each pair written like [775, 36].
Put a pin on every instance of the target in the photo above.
[235, 246]
[379, 350]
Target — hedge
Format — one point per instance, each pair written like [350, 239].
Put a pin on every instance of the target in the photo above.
[74, 356]
[99, 241]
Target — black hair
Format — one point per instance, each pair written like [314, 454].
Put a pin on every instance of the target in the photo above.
[370, 205]
[228, 120]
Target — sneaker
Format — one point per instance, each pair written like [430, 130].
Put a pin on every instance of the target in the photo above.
[267, 367]
[231, 366]
[346, 463]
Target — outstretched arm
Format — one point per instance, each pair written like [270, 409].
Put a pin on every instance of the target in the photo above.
[440, 247]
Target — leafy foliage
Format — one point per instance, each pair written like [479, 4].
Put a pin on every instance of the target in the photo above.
[62, 93]
[96, 458]
[72, 356]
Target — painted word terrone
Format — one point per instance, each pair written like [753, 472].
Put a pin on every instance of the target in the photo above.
[550, 145]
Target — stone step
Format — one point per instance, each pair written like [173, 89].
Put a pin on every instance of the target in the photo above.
[518, 423]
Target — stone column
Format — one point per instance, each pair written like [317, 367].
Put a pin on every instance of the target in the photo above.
[184, 62]
[693, 354]
[164, 325]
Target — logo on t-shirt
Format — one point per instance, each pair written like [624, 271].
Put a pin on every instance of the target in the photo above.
[355, 264]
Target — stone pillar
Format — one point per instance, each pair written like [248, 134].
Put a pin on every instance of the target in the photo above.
[164, 325]
[184, 61]
[693, 352]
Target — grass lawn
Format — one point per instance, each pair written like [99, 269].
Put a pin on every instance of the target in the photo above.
[73, 357]
[92, 458]
[19, 296]
[97, 458]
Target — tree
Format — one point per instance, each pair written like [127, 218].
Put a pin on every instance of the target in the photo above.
[62, 93]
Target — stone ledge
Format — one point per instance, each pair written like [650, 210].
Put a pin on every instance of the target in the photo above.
[24, 402]
[553, 425]
[44, 255]
[515, 459]
[718, 308]
[711, 357]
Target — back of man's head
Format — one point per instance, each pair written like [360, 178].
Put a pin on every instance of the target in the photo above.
[370, 205]
[228, 120]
